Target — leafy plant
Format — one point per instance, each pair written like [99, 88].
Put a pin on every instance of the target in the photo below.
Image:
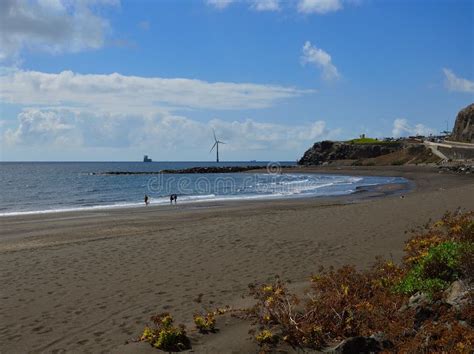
[205, 323]
[434, 271]
[266, 337]
[164, 335]
[443, 261]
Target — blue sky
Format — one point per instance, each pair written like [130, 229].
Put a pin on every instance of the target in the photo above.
[111, 80]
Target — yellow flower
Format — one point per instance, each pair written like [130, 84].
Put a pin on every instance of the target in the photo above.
[269, 300]
[317, 329]
[268, 288]
[345, 289]
[167, 321]
[147, 334]
[264, 336]
[199, 321]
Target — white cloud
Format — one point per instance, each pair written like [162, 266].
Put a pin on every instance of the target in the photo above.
[401, 127]
[266, 5]
[219, 4]
[162, 132]
[117, 93]
[51, 25]
[41, 127]
[455, 83]
[303, 6]
[321, 59]
[319, 6]
[253, 135]
[74, 112]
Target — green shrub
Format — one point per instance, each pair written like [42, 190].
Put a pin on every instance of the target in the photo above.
[414, 282]
[435, 271]
[173, 339]
[442, 261]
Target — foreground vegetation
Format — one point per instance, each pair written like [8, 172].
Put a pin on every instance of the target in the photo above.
[424, 304]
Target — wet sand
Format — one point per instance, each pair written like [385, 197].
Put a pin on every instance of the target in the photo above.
[89, 281]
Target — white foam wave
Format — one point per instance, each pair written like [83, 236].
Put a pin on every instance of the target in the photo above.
[291, 186]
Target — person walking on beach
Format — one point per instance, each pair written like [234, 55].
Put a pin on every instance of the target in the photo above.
[146, 200]
[173, 197]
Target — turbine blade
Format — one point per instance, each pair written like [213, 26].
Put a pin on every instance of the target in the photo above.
[213, 146]
[221, 142]
[214, 132]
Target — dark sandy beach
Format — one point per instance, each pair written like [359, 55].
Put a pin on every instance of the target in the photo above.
[89, 281]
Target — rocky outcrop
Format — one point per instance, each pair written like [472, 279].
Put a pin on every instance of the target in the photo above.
[458, 294]
[326, 151]
[464, 127]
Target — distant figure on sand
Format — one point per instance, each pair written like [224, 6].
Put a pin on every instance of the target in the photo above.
[146, 200]
[173, 197]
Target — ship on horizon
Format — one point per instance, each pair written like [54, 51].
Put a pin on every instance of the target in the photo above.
[147, 159]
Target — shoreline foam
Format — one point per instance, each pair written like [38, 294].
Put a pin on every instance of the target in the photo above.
[188, 199]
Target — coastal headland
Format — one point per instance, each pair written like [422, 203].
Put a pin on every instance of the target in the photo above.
[89, 281]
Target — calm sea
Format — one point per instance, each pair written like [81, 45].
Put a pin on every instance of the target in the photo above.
[39, 187]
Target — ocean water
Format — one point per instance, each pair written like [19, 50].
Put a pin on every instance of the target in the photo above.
[46, 187]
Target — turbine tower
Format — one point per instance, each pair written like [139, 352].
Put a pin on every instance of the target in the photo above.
[216, 145]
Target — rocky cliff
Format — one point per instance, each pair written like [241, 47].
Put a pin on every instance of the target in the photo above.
[464, 127]
[326, 151]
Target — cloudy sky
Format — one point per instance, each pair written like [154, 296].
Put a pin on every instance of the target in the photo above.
[113, 80]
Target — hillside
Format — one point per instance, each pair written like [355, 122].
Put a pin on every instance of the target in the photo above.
[367, 152]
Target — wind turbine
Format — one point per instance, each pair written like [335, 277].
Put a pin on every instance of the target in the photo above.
[216, 145]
